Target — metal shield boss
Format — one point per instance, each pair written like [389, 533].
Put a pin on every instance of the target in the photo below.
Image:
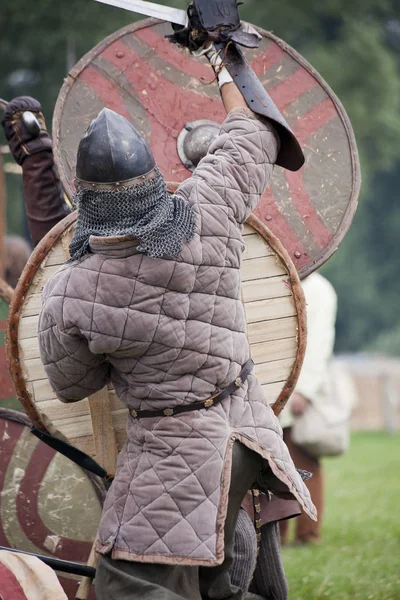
[167, 95]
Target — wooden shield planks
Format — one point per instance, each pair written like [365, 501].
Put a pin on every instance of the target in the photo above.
[160, 88]
[48, 505]
[275, 313]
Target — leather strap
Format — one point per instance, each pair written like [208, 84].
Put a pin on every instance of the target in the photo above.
[80, 458]
[87, 462]
[204, 404]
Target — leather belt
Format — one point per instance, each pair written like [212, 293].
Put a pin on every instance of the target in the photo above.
[212, 401]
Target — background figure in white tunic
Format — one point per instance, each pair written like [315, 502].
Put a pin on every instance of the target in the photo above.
[312, 386]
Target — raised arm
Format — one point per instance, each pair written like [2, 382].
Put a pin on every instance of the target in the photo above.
[239, 164]
[232, 97]
[43, 192]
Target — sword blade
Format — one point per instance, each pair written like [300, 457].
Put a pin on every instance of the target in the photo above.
[151, 9]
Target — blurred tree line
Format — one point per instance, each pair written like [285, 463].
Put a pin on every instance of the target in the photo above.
[354, 44]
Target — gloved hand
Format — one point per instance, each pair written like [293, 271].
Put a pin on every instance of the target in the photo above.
[214, 57]
[22, 143]
[195, 37]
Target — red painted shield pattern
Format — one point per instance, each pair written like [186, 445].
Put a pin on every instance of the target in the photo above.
[48, 505]
[159, 87]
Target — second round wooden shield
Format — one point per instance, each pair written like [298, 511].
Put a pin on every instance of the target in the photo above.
[48, 505]
[275, 314]
[160, 89]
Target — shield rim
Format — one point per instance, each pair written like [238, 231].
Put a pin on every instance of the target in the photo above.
[40, 253]
[351, 208]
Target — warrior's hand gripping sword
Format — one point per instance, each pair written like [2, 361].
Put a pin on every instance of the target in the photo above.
[218, 21]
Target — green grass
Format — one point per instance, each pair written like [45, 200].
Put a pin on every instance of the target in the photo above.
[359, 556]
[13, 403]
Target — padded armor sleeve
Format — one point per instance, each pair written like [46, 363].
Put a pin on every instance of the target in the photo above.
[73, 370]
[238, 166]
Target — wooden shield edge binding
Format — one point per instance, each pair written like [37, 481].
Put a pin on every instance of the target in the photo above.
[40, 253]
[300, 304]
[33, 264]
[348, 215]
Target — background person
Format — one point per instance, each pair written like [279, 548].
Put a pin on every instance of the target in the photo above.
[313, 384]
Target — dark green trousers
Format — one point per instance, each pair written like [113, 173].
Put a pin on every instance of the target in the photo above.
[122, 580]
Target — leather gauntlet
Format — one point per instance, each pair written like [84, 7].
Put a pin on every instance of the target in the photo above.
[22, 143]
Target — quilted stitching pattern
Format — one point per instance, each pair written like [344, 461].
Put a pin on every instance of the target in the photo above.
[172, 332]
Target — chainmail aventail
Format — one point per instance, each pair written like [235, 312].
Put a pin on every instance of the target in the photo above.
[160, 221]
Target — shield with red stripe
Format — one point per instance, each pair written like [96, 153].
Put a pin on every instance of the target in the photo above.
[160, 88]
[48, 505]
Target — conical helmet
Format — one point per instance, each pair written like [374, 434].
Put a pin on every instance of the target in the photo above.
[112, 153]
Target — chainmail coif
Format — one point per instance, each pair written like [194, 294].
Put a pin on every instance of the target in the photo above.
[160, 221]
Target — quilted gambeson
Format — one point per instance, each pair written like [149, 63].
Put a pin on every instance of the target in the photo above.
[166, 333]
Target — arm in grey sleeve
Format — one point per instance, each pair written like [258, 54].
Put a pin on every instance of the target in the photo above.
[239, 164]
[73, 370]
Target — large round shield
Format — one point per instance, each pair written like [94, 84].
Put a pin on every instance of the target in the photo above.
[275, 313]
[160, 89]
[48, 505]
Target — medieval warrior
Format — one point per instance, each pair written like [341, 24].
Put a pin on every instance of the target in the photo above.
[150, 301]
